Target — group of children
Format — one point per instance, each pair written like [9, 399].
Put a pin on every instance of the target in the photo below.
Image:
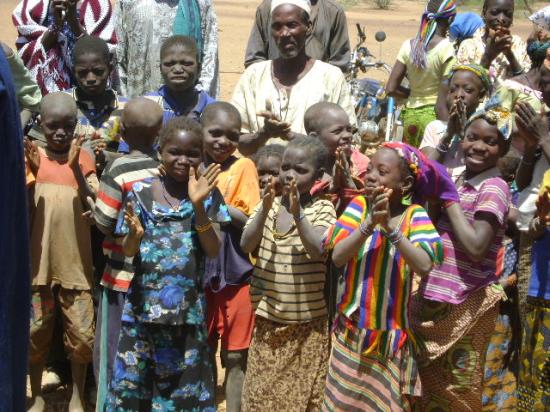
[202, 247]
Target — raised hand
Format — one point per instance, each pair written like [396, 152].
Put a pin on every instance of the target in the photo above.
[457, 118]
[74, 151]
[380, 209]
[294, 200]
[532, 126]
[273, 125]
[268, 194]
[58, 9]
[200, 186]
[98, 146]
[32, 155]
[135, 230]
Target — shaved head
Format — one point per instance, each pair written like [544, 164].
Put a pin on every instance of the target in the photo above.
[320, 115]
[58, 102]
[141, 112]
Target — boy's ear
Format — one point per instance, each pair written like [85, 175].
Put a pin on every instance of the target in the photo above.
[313, 134]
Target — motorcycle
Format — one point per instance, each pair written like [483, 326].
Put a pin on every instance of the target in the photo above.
[377, 115]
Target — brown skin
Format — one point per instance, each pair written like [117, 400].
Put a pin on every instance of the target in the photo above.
[541, 222]
[221, 132]
[297, 176]
[268, 168]
[181, 157]
[63, 11]
[92, 73]
[482, 146]
[290, 33]
[386, 183]
[180, 72]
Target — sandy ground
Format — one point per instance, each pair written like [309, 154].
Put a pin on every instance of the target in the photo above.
[236, 18]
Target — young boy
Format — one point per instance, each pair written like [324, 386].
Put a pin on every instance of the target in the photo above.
[99, 106]
[61, 255]
[468, 86]
[227, 277]
[347, 166]
[141, 122]
[180, 69]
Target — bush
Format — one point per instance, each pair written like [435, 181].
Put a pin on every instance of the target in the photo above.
[382, 4]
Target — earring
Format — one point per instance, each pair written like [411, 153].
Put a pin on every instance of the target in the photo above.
[406, 199]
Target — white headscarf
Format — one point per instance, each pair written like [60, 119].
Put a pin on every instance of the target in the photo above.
[305, 5]
[542, 18]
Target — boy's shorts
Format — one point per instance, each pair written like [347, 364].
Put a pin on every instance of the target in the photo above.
[77, 310]
[230, 317]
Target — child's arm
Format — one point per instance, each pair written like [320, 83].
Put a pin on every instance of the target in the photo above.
[132, 240]
[311, 236]
[238, 218]
[84, 190]
[541, 221]
[478, 238]
[199, 188]
[254, 230]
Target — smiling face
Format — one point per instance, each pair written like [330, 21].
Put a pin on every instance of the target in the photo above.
[289, 30]
[467, 86]
[298, 164]
[181, 151]
[336, 131]
[58, 125]
[387, 169]
[92, 72]
[179, 68]
[269, 167]
[482, 146]
[221, 133]
[498, 13]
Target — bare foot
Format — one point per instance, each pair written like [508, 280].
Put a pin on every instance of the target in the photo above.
[75, 405]
[39, 405]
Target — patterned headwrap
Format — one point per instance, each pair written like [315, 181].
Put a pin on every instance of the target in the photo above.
[431, 180]
[542, 18]
[537, 52]
[479, 71]
[428, 24]
[494, 113]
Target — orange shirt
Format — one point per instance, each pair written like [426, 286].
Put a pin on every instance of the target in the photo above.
[239, 185]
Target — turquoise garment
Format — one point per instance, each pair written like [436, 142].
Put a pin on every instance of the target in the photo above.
[188, 22]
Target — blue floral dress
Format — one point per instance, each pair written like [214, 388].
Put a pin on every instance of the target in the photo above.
[162, 361]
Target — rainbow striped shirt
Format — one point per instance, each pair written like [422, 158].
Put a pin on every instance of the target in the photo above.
[377, 280]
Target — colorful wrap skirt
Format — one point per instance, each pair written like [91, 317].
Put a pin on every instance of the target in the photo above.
[415, 121]
[534, 368]
[454, 340]
[368, 381]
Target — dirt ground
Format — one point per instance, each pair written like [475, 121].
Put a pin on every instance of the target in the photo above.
[235, 20]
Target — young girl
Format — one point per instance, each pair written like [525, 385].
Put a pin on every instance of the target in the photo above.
[170, 223]
[534, 379]
[426, 61]
[468, 86]
[268, 162]
[457, 304]
[383, 239]
[61, 254]
[227, 277]
[287, 360]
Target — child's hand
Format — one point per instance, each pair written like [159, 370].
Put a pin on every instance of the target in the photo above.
[135, 229]
[294, 200]
[200, 186]
[543, 208]
[457, 119]
[342, 174]
[74, 151]
[88, 215]
[32, 155]
[268, 195]
[98, 146]
[532, 126]
[380, 210]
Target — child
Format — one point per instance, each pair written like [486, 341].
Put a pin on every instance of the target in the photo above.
[140, 124]
[180, 94]
[468, 86]
[534, 385]
[347, 166]
[61, 255]
[287, 359]
[426, 61]
[268, 162]
[227, 277]
[383, 239]
[170, 223]
[457, 304]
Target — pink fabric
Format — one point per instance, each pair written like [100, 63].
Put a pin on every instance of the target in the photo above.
[51, 68]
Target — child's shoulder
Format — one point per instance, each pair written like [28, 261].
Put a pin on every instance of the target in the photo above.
[126, 164]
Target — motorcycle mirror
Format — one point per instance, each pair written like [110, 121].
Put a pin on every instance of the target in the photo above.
[380, 36]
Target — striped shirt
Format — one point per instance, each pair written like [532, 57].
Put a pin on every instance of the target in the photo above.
[287, 285]
[378, 281]
[459, 276]
[116, 182]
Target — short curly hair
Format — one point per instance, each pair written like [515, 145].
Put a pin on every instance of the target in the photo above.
[270, 150]
[318, 152]
[182, 123]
